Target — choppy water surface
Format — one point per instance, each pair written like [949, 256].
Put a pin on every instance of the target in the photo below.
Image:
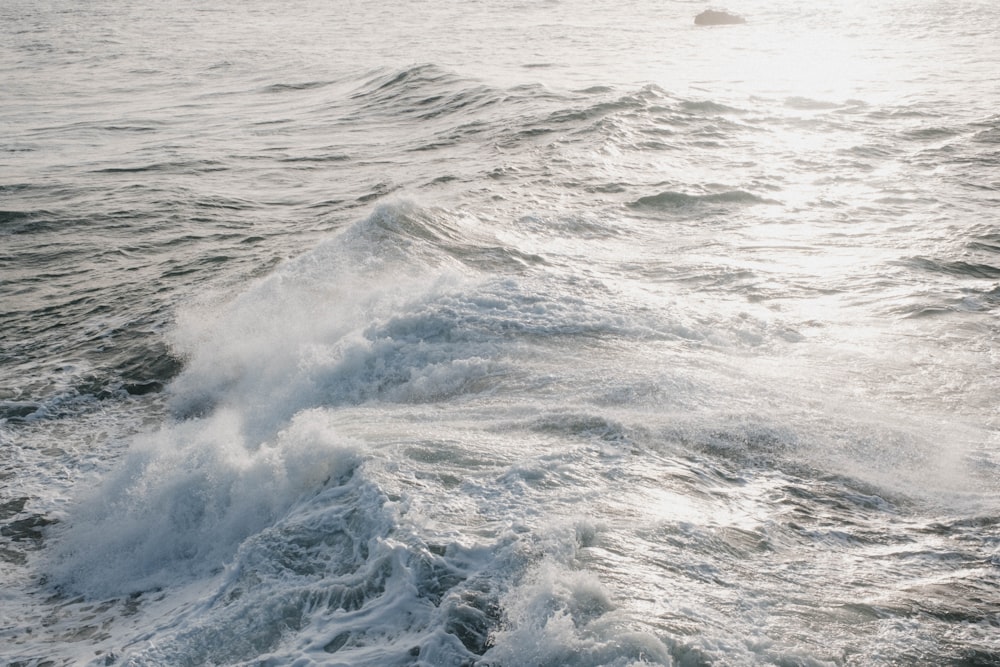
[499, 334]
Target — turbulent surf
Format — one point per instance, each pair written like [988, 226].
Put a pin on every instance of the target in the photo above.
[502, 334]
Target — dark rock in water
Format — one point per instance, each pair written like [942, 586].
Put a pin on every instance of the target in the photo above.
[716, 17]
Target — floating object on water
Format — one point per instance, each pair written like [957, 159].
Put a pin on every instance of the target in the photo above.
[717, 17]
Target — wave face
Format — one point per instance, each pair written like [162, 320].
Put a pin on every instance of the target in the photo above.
[557, 338]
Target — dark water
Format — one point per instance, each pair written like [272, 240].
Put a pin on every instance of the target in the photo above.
[499, 334]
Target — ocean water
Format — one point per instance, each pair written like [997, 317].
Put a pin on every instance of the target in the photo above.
[499, 333]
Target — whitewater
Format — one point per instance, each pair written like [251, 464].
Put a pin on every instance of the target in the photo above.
[499, 333]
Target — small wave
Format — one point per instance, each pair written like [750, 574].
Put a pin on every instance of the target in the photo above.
[444, 234]
[920, 311]
[707, 106]
[934, 133]
[199, 166]
[671, 200]
[959, 268]
[329, 157]
[647, 98]
[871, 151]
[582, 426]
[7, 217]
[135, 126]
[986, 242]
[892, 113]
[423, 92]
[603, 111]
[596, 90]
[989, 136]
[808, 104]
[292, 87]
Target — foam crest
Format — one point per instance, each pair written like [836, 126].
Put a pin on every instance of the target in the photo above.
[298, 338]
[185, 497]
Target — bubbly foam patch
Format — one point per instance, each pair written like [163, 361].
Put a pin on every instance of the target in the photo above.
[558, 614]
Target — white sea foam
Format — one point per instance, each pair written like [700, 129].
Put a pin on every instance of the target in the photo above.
[558, 614]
